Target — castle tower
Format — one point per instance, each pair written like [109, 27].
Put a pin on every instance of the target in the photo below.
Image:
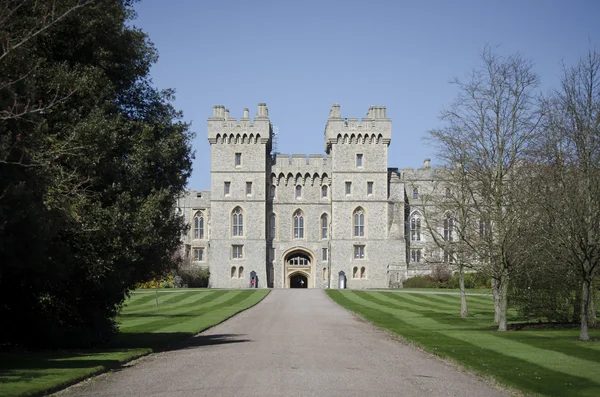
[240, 160]
[366, 244]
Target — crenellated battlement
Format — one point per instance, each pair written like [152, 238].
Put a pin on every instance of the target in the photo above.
[376, 128]
[300, 160]
[426, 172]
[300, 169]
[223, 129]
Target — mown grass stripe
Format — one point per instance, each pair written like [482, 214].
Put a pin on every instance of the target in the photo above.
[155, 325]
[455, 300]
[170, 312]
[523, 351]
[186, 300]
[234, 303]
[149, 301]
[475, 311]
[529, 365]
[180, 299]
[424, 301]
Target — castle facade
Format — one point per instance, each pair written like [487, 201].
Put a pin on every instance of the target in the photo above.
[340, 220]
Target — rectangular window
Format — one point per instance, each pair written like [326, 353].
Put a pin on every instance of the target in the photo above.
[415, 193]
[272, 254]
[359, 160]
[370, 188]
[348, 188]
[226, 188]
[324, 254]
[198, 254]
[415, 255]
[248, 188]
[359, 252]
[448, 256]
[238, 159]
[237, 252]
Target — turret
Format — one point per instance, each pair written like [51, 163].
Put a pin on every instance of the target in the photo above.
[376, 128]
[223, 129]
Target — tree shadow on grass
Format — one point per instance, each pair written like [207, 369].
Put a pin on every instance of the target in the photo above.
[21, 366]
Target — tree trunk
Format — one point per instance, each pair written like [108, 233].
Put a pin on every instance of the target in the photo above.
[503, 307]
[585, 300]
[496, 295]
[592, 319]
[464, 312]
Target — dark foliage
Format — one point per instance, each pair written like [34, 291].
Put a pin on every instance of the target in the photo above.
[91, 159]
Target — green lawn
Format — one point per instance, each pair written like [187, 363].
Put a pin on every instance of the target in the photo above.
[144, 328]
[484, 291]
[548, 362]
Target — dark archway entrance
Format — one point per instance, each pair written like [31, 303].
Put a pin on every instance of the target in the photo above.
[298, 281]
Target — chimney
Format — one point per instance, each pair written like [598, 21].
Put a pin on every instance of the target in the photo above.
[263, 112]
[427, 164]
[246, 113]
[335, 113]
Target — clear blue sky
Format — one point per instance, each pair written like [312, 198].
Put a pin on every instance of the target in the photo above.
[300, 57]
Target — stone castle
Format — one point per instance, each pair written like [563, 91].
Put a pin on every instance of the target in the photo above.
[340, 220]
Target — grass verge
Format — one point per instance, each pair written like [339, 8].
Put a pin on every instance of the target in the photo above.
[543, 361]
[144, 327]
[480, 291]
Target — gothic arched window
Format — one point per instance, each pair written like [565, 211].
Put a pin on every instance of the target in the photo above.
[415, 227]
[359, 222]
[448, 228]
[238, 222]
[298, 224]
[199, 225]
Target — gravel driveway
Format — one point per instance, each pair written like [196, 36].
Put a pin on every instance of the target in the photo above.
[293, 343]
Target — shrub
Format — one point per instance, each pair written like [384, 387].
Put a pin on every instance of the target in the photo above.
[194, 277]
[440, 274]
[441, 277]
[418, 282]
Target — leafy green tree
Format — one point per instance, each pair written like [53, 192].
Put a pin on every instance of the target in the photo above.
[92, 157]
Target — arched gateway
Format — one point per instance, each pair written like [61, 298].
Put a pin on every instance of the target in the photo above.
[299, 268]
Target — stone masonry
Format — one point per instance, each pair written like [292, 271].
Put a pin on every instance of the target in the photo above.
[307, 219]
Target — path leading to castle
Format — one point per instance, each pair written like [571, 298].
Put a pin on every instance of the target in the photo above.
[293, 343]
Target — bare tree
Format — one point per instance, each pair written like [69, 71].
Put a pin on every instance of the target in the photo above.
[571, 169]
[450, 220]
[487, 132]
